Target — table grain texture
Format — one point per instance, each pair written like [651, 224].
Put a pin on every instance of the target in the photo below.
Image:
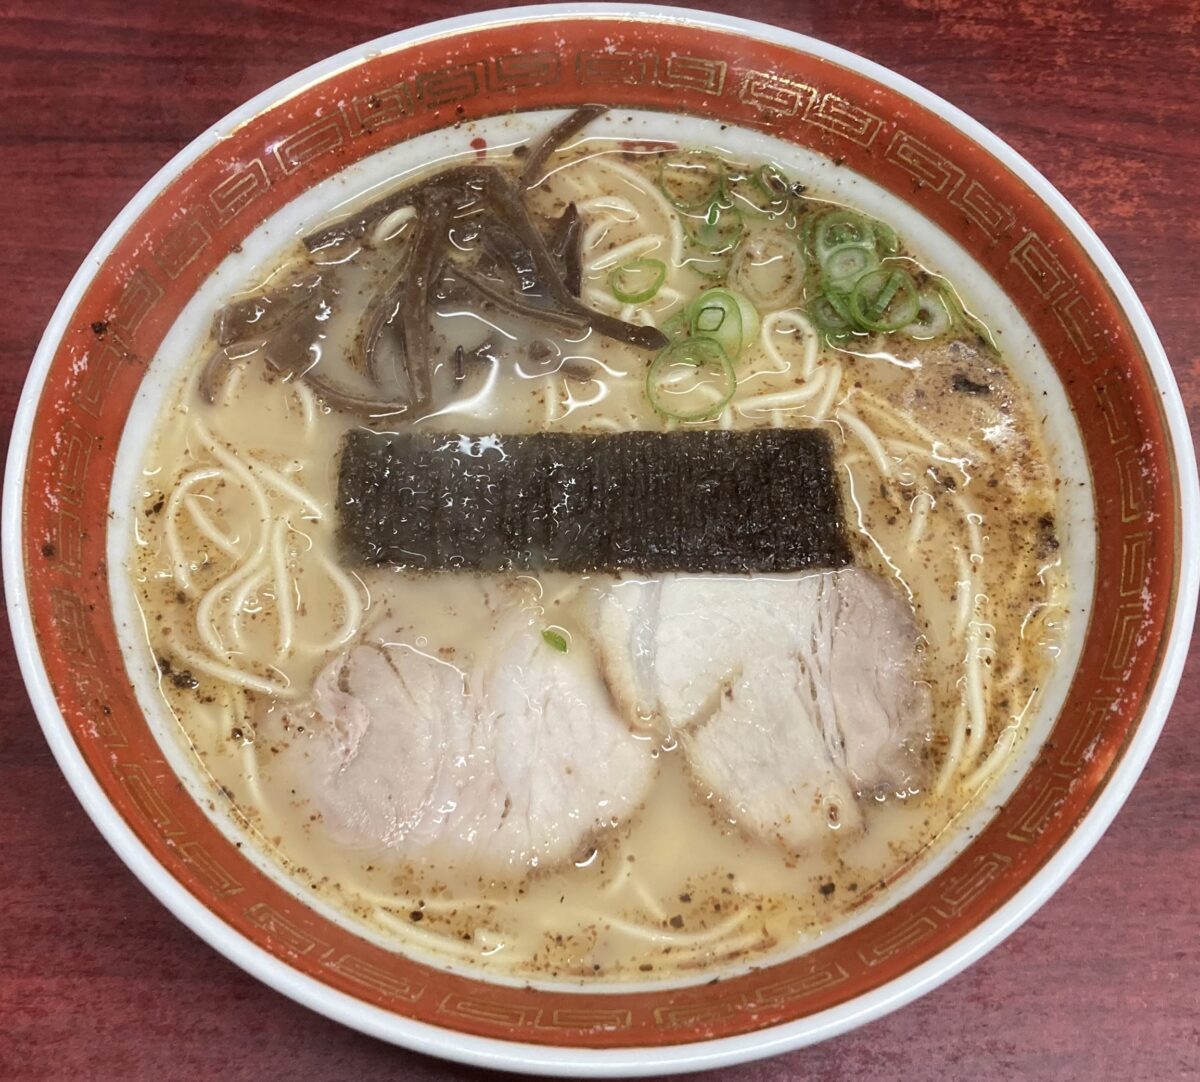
[99, 982]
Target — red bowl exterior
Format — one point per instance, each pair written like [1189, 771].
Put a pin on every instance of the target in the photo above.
[920, 157]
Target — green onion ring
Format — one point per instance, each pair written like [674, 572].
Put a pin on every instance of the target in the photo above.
[885, 299]
[698, 354]
[824, 311]
[655, 268]
[844, 266]
[692, 179]
[719, 229]
[839, 229]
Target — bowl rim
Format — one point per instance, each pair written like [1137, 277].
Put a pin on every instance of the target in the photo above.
[591, 1062]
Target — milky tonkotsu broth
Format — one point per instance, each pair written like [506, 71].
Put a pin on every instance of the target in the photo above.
[946, 487]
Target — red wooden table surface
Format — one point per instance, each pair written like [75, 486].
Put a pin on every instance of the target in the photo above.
[98, 981]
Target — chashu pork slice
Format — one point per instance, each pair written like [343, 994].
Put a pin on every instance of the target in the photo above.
[510, 761]
[791, 695]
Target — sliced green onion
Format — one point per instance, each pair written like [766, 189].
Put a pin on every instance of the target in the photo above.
[714, 237]
[750, 320]
[933, 317]
[692, 380]
[716, 314]
[824, 312]
[843, 266]
[769, 267]
[719, 229]
[714, 266]
[839, 300]
[725, 316]
[885, 299]
[808, 227]
[678, 327]
[556, 639]
[885, 238]
[838, 229]
[692, 179]
[638, 280]
[765, 192]
[705, 324]
[773, 181]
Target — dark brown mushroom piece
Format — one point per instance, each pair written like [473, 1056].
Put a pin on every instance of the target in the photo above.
[213, 373]
[512, 211]
[517, 305]
[577, 370]
[290, 346]
[257, 315]
[290, 318]
[247, 324]
[353, 403]
[570, 125]
[474, 235]
[507, 251]
[466, 359]
[565, 244]
[288, 352]
[355, 227]
[401, 311]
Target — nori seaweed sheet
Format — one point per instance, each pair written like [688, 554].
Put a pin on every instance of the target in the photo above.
[764, 500]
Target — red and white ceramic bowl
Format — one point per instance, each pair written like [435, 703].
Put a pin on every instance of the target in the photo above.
[130, 292]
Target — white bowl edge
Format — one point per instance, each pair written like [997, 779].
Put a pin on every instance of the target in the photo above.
[592, 1062]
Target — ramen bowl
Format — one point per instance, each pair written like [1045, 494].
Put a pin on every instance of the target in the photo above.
[106, 357]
